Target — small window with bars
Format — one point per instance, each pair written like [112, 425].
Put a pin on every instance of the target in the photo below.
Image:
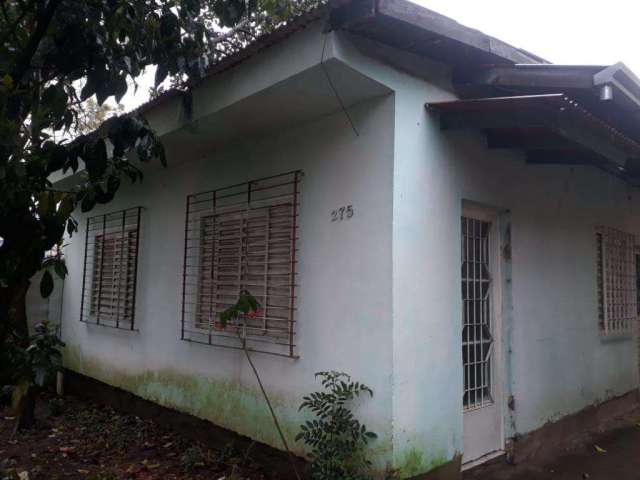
[616, 281]
[477, 324]
[238, 238]
[110, 269]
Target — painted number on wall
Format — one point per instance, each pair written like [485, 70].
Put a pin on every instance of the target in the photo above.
[342, 213]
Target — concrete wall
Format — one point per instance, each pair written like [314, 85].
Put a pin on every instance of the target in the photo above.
[344, 316]
[558, 364]
[44, 309]
[380, 294]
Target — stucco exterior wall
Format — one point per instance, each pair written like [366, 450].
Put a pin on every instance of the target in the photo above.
[555, 361]
[380, 294]
[344, 296]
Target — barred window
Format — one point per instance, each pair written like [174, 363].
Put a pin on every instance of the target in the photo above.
[242, 238]
[616, 280]
[110, 269]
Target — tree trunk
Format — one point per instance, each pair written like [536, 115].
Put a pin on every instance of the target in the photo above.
[18, 324]
[25, 410]
[16, 298]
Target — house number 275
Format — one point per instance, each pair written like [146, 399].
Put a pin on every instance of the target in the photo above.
[342, 213]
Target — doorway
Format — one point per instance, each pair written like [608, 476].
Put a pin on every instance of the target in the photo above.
[481, 345]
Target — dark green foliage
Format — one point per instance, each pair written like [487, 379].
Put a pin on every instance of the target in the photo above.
[336, 438]
[56, 56]
[44, 355]
[6, 393]
[245, 305]
[36, 365]
[55, 406]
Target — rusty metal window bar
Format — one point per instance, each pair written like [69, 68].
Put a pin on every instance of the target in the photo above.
[110, 269]
[616, 281]
[243, 237]
[477, 328]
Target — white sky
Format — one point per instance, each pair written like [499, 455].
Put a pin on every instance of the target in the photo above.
[562, 31]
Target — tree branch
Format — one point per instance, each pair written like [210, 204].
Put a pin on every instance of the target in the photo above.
[24, 61]
[226, 35]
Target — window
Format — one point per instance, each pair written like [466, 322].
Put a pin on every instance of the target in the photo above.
[616, 274]
[242, 238]
[110, 269]
[477, 325]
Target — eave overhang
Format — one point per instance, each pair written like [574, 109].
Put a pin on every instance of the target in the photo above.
[551, 128]
[609, 92]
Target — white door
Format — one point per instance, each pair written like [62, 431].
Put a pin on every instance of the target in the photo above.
[482, 416]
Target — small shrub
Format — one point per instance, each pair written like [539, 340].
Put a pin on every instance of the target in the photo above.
[336, 438]
[195, 457]
[6, 393]
[55, 407]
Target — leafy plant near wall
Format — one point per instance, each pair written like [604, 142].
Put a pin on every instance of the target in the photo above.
[248, 306]
[32, 369]
[58, 58]
[337, 439]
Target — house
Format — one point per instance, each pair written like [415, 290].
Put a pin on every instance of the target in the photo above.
[449, 219]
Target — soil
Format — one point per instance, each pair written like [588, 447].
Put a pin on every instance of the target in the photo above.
[80, 439]
[611, 456]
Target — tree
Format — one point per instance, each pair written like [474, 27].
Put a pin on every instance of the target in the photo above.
[57, 55]
[91, 116]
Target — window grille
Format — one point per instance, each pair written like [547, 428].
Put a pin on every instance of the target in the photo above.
[239, 238]
[477, 328]
[616, 280]
[110, 269]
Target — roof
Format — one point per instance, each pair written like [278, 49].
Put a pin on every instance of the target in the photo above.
[399, 23]
[604, 100]
[551, 128]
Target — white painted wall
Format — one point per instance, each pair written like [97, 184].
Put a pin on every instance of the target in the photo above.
[344, 317]
[559, 363]
[379, 295]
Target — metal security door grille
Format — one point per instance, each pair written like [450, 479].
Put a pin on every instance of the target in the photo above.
[477, 335]
[239, 238]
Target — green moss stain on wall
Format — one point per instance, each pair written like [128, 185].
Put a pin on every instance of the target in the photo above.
[226, 403]
[414, 462]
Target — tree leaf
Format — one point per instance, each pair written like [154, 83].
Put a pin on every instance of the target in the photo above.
[161, 73]
[46, 284]
[61, 268]
[88, 201]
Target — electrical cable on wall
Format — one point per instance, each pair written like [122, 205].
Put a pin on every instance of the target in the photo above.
[335, 91]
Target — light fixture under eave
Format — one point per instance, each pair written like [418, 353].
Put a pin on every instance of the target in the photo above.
[606, 93]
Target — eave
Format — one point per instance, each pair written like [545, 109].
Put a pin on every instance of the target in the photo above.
[551, 128]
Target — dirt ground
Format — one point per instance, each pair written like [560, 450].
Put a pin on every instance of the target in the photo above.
[611, 456]
[77, 439]
[80, 440]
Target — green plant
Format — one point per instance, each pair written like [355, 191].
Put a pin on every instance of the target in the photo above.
[55, 407]
[194, 457]
[32, 369]
[59, 57]
[6, 392]
[44, 355]
[247, 306]
[336, 438]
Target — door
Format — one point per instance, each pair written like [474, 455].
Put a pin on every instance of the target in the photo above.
[482, 412]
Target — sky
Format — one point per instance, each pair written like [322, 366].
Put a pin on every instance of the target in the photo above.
[561, 31]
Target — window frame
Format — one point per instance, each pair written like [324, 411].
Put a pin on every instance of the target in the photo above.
[114, 226]
[245, 199]
[615, 282]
